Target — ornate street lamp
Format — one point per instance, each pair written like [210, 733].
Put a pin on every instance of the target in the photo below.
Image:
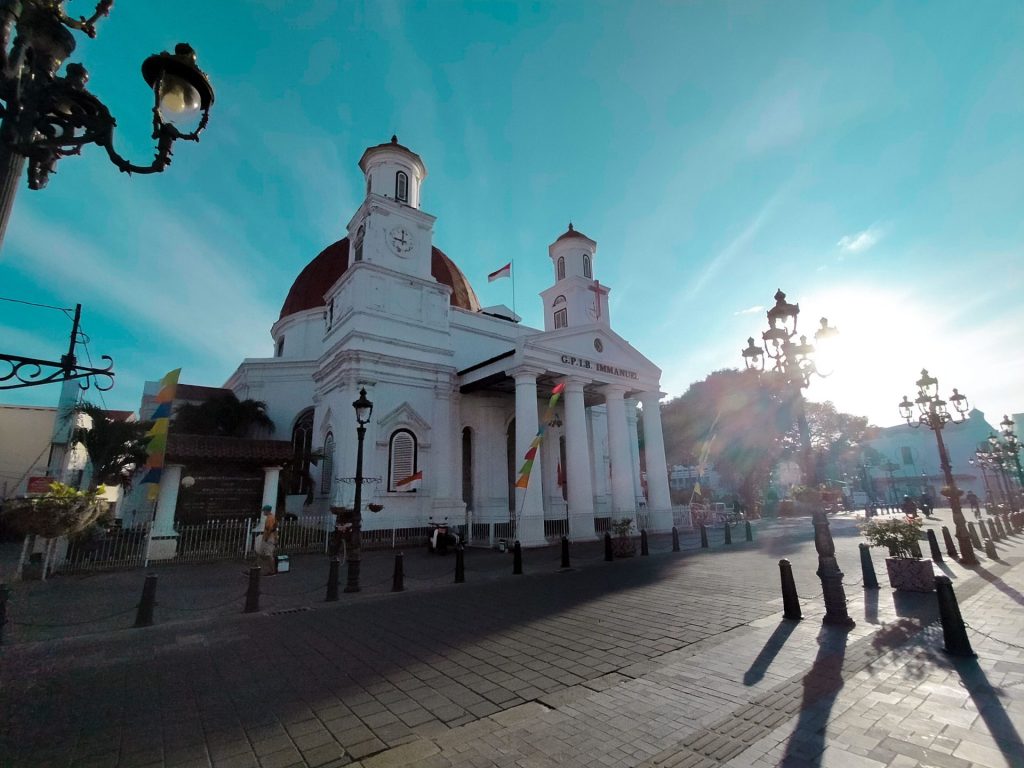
[1003, 461]
[1013, 447]
[46, 116]
[364, 409]
[794, 364]
[982, 460]
[933, 414]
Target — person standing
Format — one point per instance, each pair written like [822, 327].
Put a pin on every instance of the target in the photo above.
[268, 546]
[972, 499]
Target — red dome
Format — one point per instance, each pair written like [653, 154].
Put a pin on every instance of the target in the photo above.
[321, 273]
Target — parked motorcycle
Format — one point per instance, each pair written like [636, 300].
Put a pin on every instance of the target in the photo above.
[441, 538]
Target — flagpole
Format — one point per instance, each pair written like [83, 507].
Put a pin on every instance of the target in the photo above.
[513, 271]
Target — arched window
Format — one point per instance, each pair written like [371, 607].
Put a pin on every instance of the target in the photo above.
[561, 268]
[401, 458]
[467, 467]
[280, 347]
[558, 300]
[302, 447]
[586, 265]
[327, 465]
[402, 187]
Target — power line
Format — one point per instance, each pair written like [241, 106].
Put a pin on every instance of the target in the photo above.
[33, 304]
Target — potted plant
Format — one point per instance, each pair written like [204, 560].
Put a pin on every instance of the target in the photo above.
[622, 542]
[906, 568]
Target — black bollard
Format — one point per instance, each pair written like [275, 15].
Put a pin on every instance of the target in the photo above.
[643, 542]
[728, 532]
[954, 633]
[790, 601]
[933, 543]
[675, 539]
[144, 616]
[252, 596]
[867, 567]
[999, 527]
[565, 552]
[703, 536]
[460, 564]
[4, 594]
[332, 581]
[990, 550]
[517, 559]
[984, 530]
[950, 546]
[608, 557]
[398, 577]
[973, 532]
[750, 531]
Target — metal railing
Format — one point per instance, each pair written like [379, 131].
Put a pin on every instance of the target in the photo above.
[106, 550]
[554, 530]
[214, 540]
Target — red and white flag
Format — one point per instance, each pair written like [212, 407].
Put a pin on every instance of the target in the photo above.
[411, 483]
[505, 271]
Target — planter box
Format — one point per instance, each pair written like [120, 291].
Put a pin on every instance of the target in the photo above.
[623, 546]
[910, 575]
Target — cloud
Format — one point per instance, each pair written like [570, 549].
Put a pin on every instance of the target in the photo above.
[860, 241]
[749, 310]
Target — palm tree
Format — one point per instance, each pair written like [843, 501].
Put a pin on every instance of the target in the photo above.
[116, 447]
[224, 415]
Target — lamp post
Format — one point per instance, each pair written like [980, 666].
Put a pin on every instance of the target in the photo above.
[890, 468]
[933, 414]
[1002, 459]
[45, 117]
[1013, 446]
[363, 408]
[794, 365]
[981, 460]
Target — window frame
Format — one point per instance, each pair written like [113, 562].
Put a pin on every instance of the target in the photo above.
[560, 268]
[561, 318]
[402, 191]
[587, 269]
[391, 459]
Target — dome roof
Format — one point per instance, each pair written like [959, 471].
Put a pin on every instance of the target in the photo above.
[307, 292]
[570, 232]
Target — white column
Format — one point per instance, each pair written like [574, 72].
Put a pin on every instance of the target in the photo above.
[659, 501]
[634, 449]
[577, 460]
[271, 478]
[447, 504]
[529, 500]
[623, 500]
[163, 541]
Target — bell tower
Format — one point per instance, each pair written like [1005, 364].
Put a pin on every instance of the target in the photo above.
[576, 298]
[389, 229]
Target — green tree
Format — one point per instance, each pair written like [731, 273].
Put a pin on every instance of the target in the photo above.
[224, 415]
[738, 419]
[116, 447]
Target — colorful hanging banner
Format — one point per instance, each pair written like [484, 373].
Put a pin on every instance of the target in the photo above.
[157, 434]
[531, 453]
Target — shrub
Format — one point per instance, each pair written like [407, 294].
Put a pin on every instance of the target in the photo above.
[898, 535]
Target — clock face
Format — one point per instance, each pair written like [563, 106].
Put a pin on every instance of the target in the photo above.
[401, 240]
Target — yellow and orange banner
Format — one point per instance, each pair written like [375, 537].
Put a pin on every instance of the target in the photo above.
[531, 453]
[157, 434]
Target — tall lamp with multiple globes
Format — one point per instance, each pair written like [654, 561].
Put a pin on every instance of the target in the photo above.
[1012, 444]
[794, 363]
[364, 409]
[1002, 457]
[933, 414]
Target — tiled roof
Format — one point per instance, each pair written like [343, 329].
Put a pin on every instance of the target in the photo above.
[182, 448]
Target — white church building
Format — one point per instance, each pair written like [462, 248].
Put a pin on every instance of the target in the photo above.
[458, 392]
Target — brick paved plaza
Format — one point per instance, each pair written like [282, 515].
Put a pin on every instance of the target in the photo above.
[677, 659]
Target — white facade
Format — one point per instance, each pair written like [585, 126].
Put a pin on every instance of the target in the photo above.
[463, 390]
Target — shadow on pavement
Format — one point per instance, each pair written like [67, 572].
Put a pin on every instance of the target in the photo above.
[987, 700]
[821, 686]
[998, 583]
[768, 653]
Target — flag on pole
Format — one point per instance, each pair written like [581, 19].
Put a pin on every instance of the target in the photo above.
[157, 445]
[505, 271]
[411, 483]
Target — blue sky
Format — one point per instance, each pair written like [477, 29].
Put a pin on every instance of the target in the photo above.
[865, 157]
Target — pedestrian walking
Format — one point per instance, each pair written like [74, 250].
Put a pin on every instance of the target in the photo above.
[972, 499]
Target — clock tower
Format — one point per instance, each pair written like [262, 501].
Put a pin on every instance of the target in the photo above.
[389, 229]
[577, 298]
